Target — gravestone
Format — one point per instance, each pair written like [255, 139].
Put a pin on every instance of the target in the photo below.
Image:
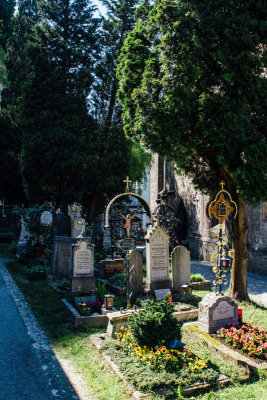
[161, 293]
[61, 261]
[82, 278]
[108, 267]
[46, 218]
[62, 224]
[157, 259]
[180, 267]
[135, 274]
[77, 226]
[23, 238]
[216, 311]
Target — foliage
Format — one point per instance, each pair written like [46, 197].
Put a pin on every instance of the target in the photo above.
[155, 367]
[155, 324]
[7, 8]
[118, 279]
[40, 236]
[197, 278]
[100, 290]
[38, 272]
[246, 338]
[193, 88]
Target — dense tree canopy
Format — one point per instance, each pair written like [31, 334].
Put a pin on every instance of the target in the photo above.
[192, 86]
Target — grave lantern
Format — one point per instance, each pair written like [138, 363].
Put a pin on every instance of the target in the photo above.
[226, 262]
[109, 301]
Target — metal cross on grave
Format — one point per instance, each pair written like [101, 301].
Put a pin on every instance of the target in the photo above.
[127, 181]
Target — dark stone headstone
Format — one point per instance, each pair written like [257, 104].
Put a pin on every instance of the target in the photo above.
[109, 267]
[62, 224]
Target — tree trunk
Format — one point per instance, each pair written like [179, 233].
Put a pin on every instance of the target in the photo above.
[238, 284]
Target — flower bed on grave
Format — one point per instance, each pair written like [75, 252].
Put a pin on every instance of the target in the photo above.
[150, 355]
[247, 339]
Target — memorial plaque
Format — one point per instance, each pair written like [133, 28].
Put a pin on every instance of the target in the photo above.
[161, 293]
[222, 311]
[128, 244]
[109, 267]
[46, 218]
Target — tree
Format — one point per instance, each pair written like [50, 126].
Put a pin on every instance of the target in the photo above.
[60, 57]
[115, 27]
[192, 86]
[7, 8]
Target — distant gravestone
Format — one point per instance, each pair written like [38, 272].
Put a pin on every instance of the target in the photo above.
[216, 311]
[61, 261]
[108, 267]
[180, 267]
[83, 266]
[135, 274]
[23, 238]
[77, 226]
[157, 259]
[46, 218]
[62, 224]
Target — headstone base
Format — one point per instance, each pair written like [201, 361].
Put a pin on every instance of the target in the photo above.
[84, 284]
[151, 286]
[216, 311]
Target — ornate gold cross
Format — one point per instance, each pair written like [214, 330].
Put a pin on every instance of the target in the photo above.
[127, 181]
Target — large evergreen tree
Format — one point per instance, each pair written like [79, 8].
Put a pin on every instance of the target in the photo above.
[60, 59]
[193, 87]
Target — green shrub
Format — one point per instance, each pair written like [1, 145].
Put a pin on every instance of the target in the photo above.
[155, 324]
[197, 278]
[38, 272]
[118, 279]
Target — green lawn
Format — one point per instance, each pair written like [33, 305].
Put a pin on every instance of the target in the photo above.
[103, 384]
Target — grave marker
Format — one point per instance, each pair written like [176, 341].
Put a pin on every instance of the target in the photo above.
[180, 267]
[157, 257]
[82, 266]
[135, 274]
[216, 311]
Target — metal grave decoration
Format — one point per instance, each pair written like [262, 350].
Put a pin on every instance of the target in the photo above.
[124, 217]
[168, 220]
[221, 208]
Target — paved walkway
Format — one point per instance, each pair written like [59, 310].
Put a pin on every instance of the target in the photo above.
[28, 368]
[257, 284]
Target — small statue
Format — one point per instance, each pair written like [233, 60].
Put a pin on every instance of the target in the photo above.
[127, 225]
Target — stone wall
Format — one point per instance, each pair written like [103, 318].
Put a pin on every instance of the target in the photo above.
[201, 232]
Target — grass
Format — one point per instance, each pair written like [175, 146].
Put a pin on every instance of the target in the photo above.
[102, 383]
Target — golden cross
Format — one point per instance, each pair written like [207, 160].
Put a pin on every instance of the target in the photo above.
[222, 183]
[127, 181]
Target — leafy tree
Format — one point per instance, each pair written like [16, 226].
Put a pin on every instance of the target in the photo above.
[192, 86]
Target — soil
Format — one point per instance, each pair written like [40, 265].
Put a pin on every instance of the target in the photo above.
[255, 359]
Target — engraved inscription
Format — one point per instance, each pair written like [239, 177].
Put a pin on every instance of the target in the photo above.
[222, 311]
[84, 262]
[159, 256]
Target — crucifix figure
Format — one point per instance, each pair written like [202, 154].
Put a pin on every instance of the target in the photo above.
[127, 181]
[127, 225]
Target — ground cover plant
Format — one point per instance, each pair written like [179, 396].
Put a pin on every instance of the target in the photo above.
[250, 340]
[147, 354]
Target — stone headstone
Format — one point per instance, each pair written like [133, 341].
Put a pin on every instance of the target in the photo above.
[61, 261]
[161, 293]
[180, 267]
[77, 226]
[216, 311]
[108, 267]
[135, 274]
[46, 218]
[107, 239]
[157, 258]
[83, 266]
[62, 224]
[23, 238]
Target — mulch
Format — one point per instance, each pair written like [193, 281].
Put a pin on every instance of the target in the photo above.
[255, 359]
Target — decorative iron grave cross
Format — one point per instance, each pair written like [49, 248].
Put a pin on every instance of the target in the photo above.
[118, 216]
[221, 208]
